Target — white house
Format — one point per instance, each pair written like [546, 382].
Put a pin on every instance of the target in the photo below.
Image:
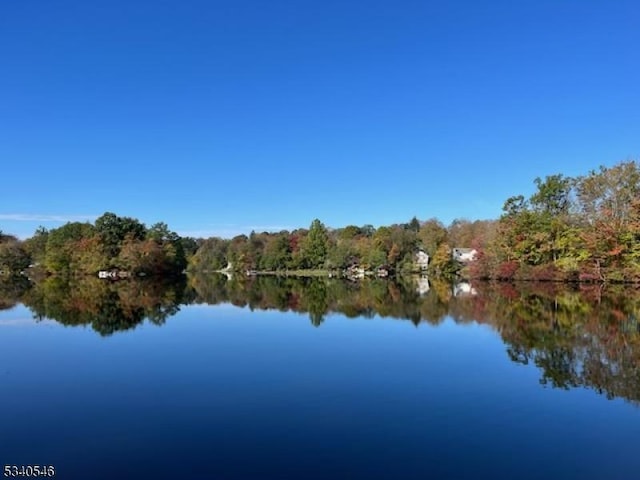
[422, 260]
[464, 255]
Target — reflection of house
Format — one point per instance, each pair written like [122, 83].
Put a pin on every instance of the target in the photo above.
[464, 254]
[382, 272]
[463, 289]
[423, 285]
[422, 260]
[113, 274]
[354, 272]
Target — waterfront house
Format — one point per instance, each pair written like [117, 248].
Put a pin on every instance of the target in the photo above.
[464, 255]
[421, 260]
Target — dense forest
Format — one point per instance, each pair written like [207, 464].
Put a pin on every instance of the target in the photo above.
[391, 247]
[584, 228]
[112, 242]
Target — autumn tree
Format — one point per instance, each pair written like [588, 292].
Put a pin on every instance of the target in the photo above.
[62, 245]
[239, 253]
[442, 262]
[608, 209]
[432, 234]
[13, 257]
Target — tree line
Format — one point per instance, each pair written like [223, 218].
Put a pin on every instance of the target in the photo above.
[112, 242]
[577, 229]
[391, 247]
[584, 228]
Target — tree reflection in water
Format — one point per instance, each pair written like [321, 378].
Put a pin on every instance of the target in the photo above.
[585, 336]
[12, 289]
[107, 306]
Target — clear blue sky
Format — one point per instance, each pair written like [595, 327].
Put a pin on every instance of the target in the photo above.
[219, 117]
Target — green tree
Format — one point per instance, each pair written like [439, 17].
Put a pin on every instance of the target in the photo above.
[315, 246]
[36, 246]
[113, 229]
[553, 195]
[190, 246]
[404, 243]
[277, 252]
[171, 244]
[211, 255]
[413, 225]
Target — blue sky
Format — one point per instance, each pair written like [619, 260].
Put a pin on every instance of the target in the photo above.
[220, 117]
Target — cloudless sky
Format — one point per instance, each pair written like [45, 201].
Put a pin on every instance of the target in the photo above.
[220, 117]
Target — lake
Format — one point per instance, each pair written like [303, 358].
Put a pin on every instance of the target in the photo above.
[319, 378]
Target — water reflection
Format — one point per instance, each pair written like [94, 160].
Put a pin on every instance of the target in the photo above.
[577, 337]
[321, 296]
[12, 289]
[108, 307]
[588, 337]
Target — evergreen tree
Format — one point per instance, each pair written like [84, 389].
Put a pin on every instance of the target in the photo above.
[315, 246]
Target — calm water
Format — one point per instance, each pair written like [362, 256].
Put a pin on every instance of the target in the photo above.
[319, 379]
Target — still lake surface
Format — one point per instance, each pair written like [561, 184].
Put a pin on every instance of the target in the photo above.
[319, 378]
